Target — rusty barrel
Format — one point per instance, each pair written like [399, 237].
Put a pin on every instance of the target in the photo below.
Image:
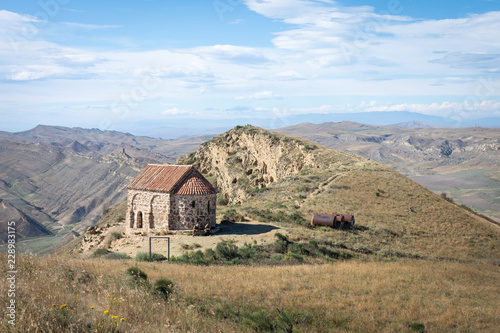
[338, 219]
[323, 220]
[343, 219]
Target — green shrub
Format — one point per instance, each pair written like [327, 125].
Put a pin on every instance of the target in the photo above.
[225, 311]
[293, 256]
[310, 147]
[209, 255]
[299, 249]
[144, 256]
[164, 288]
[100, 252]
[226, 250]
[259, 321]
[136, 273]
[234, 261]
[284, 322]
[281, 237]
[277, 256]
[447, 198]
[192, 258]
[246, 252]
[116, 235]
[417, 327]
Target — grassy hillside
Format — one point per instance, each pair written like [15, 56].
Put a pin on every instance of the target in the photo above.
[395, 216]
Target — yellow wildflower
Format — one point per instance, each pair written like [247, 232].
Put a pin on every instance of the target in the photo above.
[123, 319]
[106, 312]
[92, 307]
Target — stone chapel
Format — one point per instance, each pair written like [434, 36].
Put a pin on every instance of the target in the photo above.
[169, 197]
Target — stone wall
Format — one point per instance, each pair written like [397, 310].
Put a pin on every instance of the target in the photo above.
[190, 210]
[150, 207]
[162, 211]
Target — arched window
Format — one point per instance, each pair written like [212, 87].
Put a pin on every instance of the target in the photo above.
[208, 207]
[193, 204]
[139, 220]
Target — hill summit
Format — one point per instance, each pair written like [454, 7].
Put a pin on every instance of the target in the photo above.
[277, 178]
[247, 158]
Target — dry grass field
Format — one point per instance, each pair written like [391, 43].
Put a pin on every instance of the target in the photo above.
[59, 294]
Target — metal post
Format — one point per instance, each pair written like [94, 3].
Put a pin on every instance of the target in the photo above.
[168, 238]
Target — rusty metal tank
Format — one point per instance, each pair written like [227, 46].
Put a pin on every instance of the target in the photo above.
[334, 220]
[348, 219]
[323, 220]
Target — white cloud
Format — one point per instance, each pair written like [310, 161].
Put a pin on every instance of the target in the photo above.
[471, 107]
[261, 95]
[289, 75]
[467, 106]
[30, 73]
[175, 112]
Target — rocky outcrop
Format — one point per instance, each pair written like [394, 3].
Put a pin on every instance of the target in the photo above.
[249, 158]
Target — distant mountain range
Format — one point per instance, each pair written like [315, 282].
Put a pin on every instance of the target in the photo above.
[415, 124]
[189, 127]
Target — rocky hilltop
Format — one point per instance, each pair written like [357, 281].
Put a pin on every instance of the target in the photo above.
[249, 158]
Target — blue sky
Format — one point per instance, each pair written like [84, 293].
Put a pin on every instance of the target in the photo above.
[112, 64]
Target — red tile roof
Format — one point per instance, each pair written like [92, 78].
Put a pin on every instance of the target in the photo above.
[178, 179]
[195, 184]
